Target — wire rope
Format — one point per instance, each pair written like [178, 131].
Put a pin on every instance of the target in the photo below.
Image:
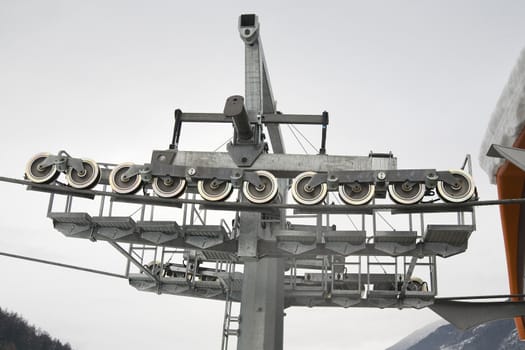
[68, 266]
[298, 141]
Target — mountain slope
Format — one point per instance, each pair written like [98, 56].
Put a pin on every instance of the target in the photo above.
[417, 335]
[496, 335]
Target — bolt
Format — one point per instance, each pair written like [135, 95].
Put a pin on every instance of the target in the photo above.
[192, 171]
[432, 176]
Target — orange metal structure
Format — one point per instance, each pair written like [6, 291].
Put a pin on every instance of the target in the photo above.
[511, 184]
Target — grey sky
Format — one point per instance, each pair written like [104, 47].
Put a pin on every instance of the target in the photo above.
[101, 79]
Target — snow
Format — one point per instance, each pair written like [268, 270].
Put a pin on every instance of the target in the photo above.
[458, 346]
[507, 120]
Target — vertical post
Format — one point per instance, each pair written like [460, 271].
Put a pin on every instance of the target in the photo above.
[262, 299]
[262, 305]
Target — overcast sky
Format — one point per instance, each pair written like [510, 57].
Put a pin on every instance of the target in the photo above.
[101, 79]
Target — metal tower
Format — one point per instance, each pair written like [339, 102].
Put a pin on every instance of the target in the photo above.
[338, 241]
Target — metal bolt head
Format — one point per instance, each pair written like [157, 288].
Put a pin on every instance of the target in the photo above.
[192, 171]
[432, 176]
[381, 175]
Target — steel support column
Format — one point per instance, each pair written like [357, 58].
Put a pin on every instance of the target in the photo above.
[262, 305]
[262, 300]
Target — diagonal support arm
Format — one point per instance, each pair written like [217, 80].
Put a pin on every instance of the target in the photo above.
[134, 261]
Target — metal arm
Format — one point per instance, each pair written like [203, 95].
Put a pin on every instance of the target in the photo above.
[258, 90]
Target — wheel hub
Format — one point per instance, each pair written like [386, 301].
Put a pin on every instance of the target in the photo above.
[407, 187]
[356, 188]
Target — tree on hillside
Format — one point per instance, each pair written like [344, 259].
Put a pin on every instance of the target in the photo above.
[17, 334]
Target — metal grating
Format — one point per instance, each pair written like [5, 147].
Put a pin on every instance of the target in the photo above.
[211, 231]
[168, 227]
[71, 218]
[218, 255]
[455, 235]
[400, 237]
[119, 222]
[352, 237]
[304, 237]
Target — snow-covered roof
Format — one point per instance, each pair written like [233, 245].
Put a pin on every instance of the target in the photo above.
[507, 120]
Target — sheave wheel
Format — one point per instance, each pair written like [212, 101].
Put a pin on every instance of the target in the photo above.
[462, 191]
[168, 187]
[357, 193]
[405, 193]
[87, 178]
[123, 184]
[36, 173]
[213, 190]
[307, 195]
[263, 194]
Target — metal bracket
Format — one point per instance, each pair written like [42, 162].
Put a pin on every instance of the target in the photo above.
[354, 176]
[253, 178]
[514, 155]
[137, 169]
[244, 155]
[161, 162]
[63, 161]
[410, 175]
[447, 177]
[317, 179]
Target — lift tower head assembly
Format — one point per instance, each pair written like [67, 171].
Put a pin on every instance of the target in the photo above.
[356, 231]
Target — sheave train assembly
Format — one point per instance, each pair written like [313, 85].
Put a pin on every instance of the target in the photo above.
[250, 168]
